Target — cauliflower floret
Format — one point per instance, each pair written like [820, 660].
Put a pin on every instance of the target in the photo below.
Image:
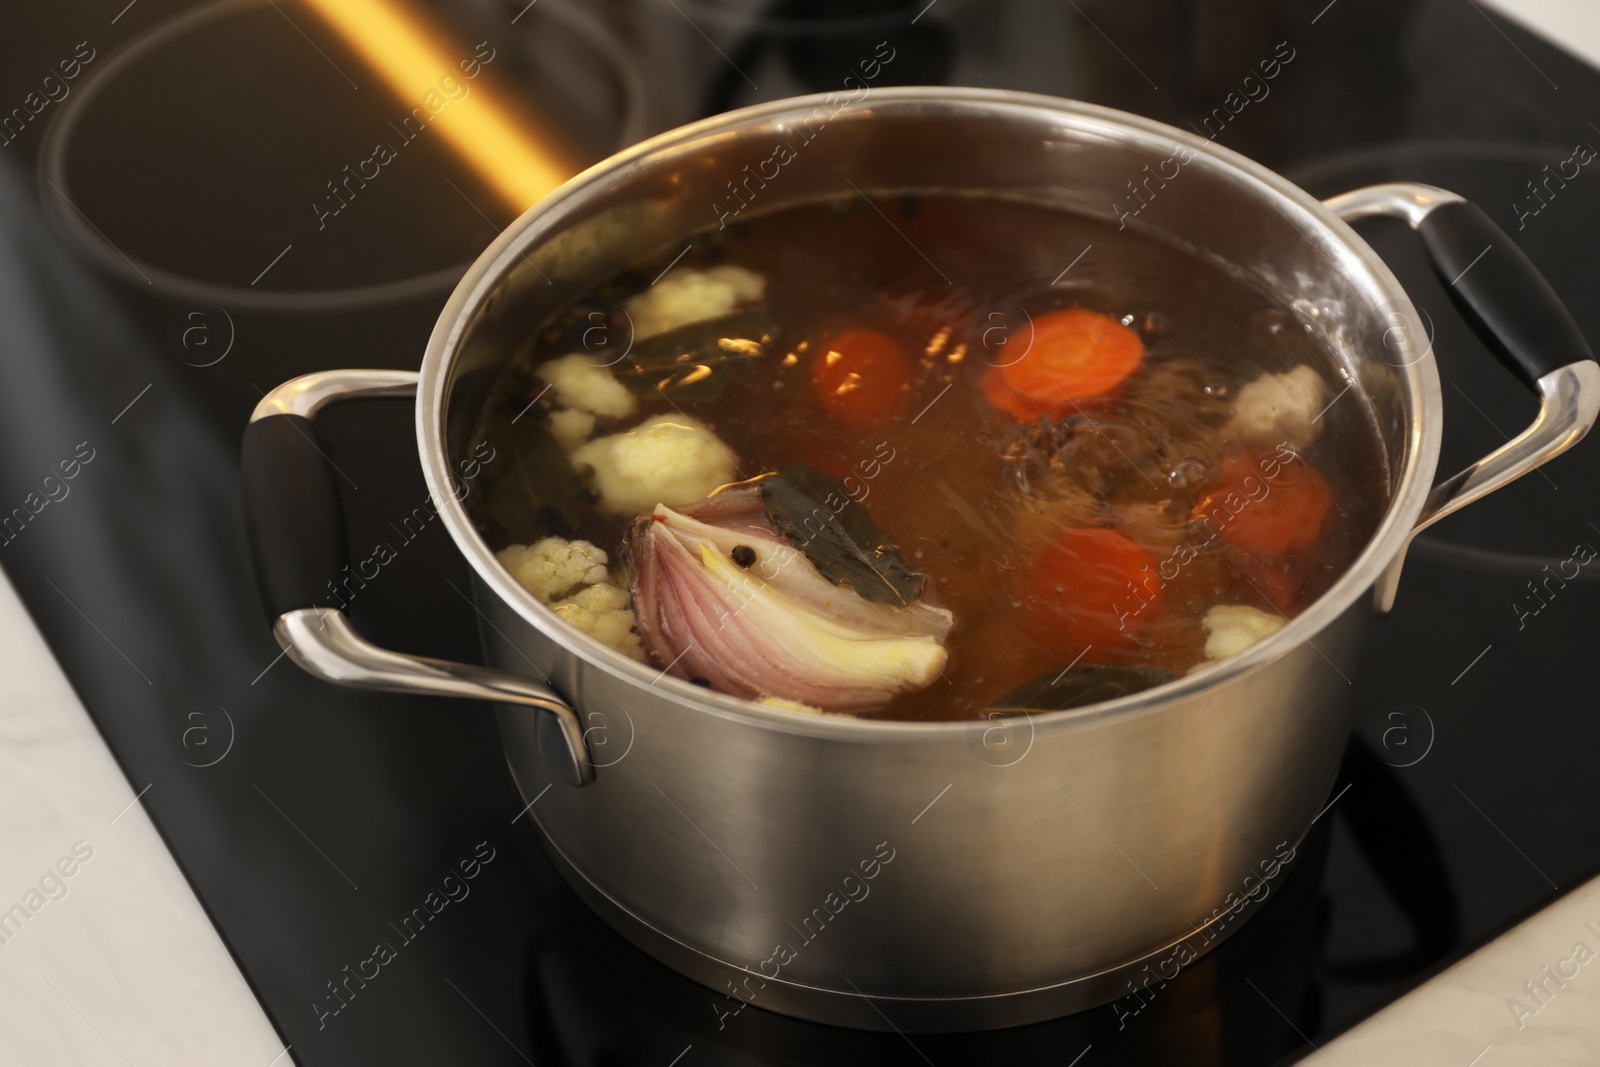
[581, 385]
[667, 459]
[571, 428]
[552, 568]
[1279, 407]
[687, 295]
[571, 577]
[602, 612]
[1232, 628]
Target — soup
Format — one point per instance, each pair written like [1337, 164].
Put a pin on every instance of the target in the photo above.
[925, 456]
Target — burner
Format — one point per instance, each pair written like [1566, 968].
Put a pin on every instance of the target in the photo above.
[775, 48]
[224, 195]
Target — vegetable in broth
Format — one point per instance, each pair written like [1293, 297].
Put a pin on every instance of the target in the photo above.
[829, 475]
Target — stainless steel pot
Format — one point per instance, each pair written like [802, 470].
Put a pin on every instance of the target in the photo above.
[928, 876]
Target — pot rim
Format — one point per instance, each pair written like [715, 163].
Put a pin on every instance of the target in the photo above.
[546, 218]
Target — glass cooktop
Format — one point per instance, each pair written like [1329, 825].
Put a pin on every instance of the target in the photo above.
[200, 201]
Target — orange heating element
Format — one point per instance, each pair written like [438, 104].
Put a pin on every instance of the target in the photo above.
[419, 65]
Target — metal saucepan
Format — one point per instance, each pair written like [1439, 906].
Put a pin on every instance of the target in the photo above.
[925, 876]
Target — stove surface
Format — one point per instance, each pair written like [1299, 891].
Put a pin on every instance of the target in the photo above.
[173, 242]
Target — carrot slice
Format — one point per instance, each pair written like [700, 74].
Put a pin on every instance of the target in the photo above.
[1266, 514]
[1018, 405]
[1090, 587]
[860, 377]
[1075, 354]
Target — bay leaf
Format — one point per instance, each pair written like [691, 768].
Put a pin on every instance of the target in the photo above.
[530, 489]
[819, 517]
[1079, 686]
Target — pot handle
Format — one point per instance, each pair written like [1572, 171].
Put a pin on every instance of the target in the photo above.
[1517, 315]
[296, 529]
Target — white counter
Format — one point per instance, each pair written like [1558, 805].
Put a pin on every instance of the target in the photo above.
[106, 956]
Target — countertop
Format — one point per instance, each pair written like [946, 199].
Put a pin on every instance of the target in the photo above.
[106, 956]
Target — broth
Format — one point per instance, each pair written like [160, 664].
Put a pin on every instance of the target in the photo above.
[974, 495]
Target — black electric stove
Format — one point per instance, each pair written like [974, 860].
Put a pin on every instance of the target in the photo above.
[170, 248]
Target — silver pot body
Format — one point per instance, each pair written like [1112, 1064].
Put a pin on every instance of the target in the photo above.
[936, 876]
[1061, 849]
[1034, 867]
